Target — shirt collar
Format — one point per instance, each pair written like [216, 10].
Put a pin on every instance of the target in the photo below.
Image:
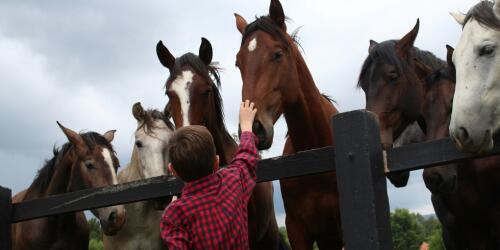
[199, 185]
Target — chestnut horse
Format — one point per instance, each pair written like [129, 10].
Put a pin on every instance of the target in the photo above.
[86, 161]
[194, 99]
[390, 79]
[276, 78]
[149, 158]
[467, 205]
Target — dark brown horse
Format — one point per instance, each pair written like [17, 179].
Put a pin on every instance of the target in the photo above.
[86, 161]
[469, 209]
[276, 78]
[194, 99]
[394, 91]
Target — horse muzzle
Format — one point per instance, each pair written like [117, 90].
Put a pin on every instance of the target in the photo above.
[468, 140]
[112, 219]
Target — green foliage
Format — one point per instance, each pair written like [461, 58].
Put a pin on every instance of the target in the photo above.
[407, 231]
[96, 245]
[436, 240]
[95, 235]
[410, 229]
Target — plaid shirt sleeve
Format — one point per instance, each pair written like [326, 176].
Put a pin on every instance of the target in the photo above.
[245, 161]
[172, 230]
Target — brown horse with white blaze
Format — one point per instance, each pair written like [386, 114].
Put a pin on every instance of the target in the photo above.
[194, 99]
[276, 78]
[86, 161]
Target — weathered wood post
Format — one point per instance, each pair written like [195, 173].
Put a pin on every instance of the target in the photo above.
[5, 218]
[359, 162]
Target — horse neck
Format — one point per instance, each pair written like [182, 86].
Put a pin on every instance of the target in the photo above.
[306, 116]
[225, 146]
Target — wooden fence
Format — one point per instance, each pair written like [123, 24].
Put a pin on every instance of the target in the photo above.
[358, 158]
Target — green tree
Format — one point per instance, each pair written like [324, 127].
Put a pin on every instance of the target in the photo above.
[407, 230]
[95, 235]
[435, 239]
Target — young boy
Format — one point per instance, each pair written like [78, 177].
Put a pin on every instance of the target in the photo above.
[211, 213]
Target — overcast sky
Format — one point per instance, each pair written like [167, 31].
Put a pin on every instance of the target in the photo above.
[84, 63]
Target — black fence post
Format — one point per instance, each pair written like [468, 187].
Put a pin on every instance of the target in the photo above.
[5, 218]
[364, 204]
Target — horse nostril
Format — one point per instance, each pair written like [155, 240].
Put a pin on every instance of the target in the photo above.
[256, 126]
[112, 218]
[463, 135]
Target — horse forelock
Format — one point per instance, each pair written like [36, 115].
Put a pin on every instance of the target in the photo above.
[267, 25]
[484, 14]
[148, 123]
[210, 72]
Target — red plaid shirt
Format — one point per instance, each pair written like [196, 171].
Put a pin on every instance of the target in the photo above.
[212, 211]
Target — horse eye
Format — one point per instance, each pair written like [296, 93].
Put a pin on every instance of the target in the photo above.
[393, 76]
[486, 50]
[138, 144]
[277, 55]
[207, 92]
[89, 165]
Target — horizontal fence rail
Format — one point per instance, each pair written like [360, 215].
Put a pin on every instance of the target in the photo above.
[430, 154]
[303, 163]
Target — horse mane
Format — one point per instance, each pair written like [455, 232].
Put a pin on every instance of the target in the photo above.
[148, 123]
[45, 173]
[483, 13]
[328, 98]
[386, 51]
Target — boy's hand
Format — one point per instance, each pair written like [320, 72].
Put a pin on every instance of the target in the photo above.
[247, 115]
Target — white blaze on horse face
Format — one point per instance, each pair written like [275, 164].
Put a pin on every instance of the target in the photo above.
[476, 105]
[252, 45]
[153, 158]
[181, 87]
[107, 158]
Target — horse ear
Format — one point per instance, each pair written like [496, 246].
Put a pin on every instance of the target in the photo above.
[206, 52]
[496, 9]
[241, 23]
[459, 17]
[404, 45]
[373, 44]
[75, 139]
[138, 111]
[277, 14]
[449, 55]
[110, 135]
[166, 58]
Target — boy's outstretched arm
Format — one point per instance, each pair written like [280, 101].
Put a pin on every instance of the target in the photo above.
[247, 156]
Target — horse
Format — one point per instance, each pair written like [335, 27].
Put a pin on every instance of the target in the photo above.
[86, 161]
[149, 159]
[194, 99]
[477, 94]
[467, 204]
[276, 78]
[394, 91]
